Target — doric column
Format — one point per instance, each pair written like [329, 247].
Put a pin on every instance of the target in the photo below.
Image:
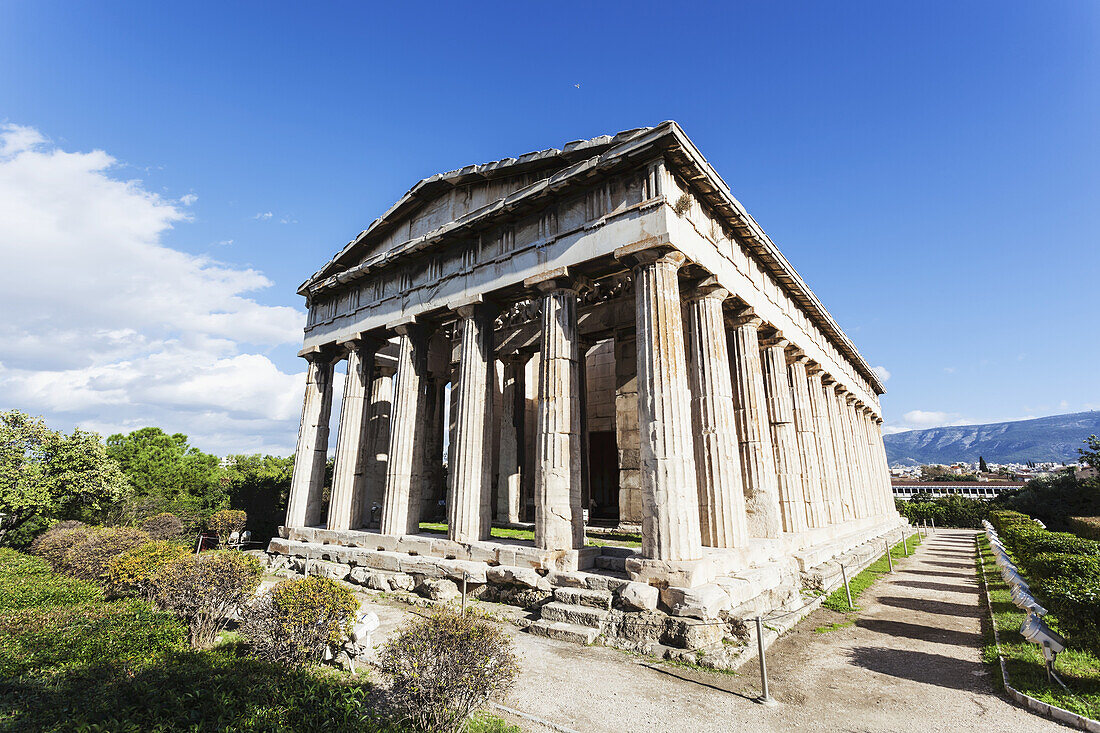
[863, 498]
[559, 522]
[877, 471]
[404, 467]
[722, 521]
[788, 469]
[846, 454]
[377, 445]
[754, 435]
[469, 507]
[308, 479]
[817, 513]
[345, 506]
[670, 504]
[510, 473]
[840, 449]
[880, 446]
[825, 446]
[873, 486]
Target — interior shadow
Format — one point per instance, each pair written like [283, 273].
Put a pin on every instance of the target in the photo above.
[929, 605]
[930, 669]
[921, 632]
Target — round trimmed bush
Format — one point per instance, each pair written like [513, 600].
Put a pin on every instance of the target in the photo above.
[87, 559]
[297, 620]
[164, 526]
[53, 544]
[131, 573]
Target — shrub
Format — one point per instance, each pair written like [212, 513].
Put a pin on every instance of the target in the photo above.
[204, 590]
[945, 511]
[53, 544]
[1053, 565]
[1088, 527]
[88, 558]
[131, 573]
[445, 667]
[226, 522]
[297, 620]
[28, 582]
[164, 526]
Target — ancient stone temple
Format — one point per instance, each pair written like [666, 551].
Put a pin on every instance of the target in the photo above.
[599, 335]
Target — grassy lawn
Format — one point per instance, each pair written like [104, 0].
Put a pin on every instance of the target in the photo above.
[73, 660]
[1078, 669]
[838, 600]
[616, 540]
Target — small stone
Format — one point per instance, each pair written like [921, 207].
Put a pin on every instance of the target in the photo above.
[402, 581]
[359, 576]
[512, 575]
[639, 596]
[378, 581]
[326, 569]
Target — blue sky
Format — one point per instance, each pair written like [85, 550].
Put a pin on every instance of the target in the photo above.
[170, 174]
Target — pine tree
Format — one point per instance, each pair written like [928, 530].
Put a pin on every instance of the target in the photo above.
[982, 465]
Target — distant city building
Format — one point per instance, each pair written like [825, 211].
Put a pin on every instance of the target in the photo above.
[986, 489]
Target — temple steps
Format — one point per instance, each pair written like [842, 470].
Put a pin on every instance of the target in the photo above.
[587, 616]
[615, 564]
[584, 597]
[560, 631]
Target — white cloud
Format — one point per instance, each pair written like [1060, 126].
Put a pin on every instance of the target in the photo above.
[949, 370]
[881, 372]
[922, 419]
[188, 199]
[107, 327]
[263, 215]
[223, 243]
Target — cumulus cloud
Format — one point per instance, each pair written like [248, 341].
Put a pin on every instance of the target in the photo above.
[881, 372]
[107, 327]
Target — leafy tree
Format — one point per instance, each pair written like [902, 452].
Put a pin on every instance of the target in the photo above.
[168, 475]
[260, 486]
[45, 474]
[1090, 456]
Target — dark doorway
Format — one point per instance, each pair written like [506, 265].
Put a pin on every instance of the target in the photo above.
[603, 475]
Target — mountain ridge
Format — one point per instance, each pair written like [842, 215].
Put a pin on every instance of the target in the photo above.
[1051, 438]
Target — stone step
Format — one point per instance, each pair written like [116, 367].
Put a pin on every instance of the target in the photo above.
[588, 616]
[610, 562]
[564, 632]
[614, 551]
[584, 597]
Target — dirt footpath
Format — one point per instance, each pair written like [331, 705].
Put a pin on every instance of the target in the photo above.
[909, 663]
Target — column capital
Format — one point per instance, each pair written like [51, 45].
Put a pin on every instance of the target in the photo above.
[649, 252]
[320, 354]
[361, 341]
[560, 278]
[385, 370]
[747, 317]
[708, 287]
[776, 340]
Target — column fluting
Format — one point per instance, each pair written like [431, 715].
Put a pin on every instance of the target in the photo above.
[670, 504]
[512, 438]
[377, 445]
[758, 477]
[307, 481]
[404, 464]
[559, 522]
[806, 432]
[345, 505]
[469, 507]
[788, 468]
[722, 519]
[825, 446]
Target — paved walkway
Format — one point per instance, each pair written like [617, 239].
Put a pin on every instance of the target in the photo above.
[910, 663]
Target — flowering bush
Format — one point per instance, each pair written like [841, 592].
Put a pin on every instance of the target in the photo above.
[131, 573]
[205, 590]
[225, 522]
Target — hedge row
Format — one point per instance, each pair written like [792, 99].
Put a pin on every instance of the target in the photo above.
[1063, 571]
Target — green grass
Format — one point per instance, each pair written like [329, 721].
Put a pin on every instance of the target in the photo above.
[1079, 669]
[838, 600]
[628, 539]
[70, 660]
[834, 626]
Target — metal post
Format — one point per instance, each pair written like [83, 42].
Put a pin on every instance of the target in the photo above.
[933, 519]
[464, 574]
[847, 590]
[889, 555]
[765, 698]
[905, 543]
[198, 544]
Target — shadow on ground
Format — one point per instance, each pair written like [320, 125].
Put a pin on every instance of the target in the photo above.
[921, 632]
[943, 608]
[930, 669]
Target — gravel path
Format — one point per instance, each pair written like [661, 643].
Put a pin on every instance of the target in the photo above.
[909, 663]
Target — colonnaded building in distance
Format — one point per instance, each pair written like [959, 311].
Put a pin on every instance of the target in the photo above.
[599, 334]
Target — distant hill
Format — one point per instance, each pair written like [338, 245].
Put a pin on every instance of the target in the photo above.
[1054, 438]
